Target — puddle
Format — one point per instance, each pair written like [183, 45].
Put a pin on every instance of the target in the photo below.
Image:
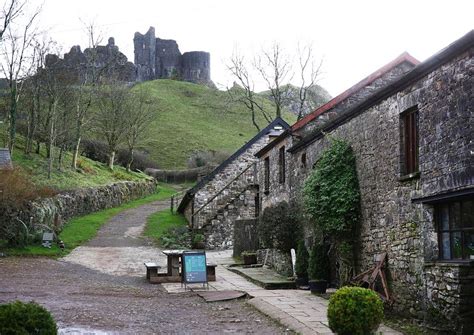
[83, 331]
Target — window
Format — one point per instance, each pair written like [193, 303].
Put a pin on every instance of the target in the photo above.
[455, 221]
[409, 142]
[267, 175]
[303, 160]
[281, 165]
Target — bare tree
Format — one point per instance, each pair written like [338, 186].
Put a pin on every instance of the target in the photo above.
[275, 69]
[111, 121]
[246, 95]
[140, 116]
[10, 10]
[85, 90]
[309, 71]
[17, 65]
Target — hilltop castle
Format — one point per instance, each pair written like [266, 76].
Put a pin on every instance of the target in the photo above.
[156, 58]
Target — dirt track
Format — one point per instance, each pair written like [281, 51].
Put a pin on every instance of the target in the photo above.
[101, 286]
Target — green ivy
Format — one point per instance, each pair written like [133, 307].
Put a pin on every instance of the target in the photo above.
[331, 192]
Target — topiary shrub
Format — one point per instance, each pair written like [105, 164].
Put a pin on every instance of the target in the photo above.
[26, 318]
[318, 267]
[354, 311]
[302, 256]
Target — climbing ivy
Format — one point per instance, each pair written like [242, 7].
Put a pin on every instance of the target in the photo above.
[332, 198]
[331, 192]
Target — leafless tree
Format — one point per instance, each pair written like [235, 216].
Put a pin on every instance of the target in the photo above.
[309, 71]
[140, 115]
[10, 11]
[17, 65]
[87, 83]
[275, 68]
[111, 121]
[246, 94]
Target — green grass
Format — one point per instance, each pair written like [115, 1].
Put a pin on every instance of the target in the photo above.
[81, 229]
[193, 117]
[162, 223]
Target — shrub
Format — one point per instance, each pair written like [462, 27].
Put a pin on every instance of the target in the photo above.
[203, 158]
[278, 228]
[354, 310]
[318, 267]
[26, 318]
[302, 255]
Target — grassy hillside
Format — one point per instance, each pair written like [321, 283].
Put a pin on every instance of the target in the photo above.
[194, 117]
[90, 173]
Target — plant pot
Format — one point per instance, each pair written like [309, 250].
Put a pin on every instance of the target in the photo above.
[199, 245]
[301, 281]
[249, 259]
[318, 286]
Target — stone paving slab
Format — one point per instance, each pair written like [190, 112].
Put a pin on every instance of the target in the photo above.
[299, 310]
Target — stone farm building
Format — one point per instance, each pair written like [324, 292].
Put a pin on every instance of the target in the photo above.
[411, 127]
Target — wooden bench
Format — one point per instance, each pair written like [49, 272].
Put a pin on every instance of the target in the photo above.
[211, 272]
[151, 270]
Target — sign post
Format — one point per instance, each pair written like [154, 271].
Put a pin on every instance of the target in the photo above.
[194, 268]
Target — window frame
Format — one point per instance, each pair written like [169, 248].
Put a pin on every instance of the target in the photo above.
[281, 165]
[463, 229]
[266, 181]
[410, 140]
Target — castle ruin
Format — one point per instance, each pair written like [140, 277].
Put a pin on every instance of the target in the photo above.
[156, 58]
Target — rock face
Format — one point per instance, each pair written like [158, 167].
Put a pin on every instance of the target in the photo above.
[105, 60]
[156, 58]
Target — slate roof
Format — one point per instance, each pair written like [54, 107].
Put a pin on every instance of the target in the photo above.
[190, 193]
[456, 48]
[5, 159]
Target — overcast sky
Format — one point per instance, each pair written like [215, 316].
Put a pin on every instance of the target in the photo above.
[353, 37]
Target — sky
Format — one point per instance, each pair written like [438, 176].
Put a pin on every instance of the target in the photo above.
[353, 38]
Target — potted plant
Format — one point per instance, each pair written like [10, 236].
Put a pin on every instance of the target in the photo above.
[318, 268]
[301, 265]
[249, 257]
[198, 241]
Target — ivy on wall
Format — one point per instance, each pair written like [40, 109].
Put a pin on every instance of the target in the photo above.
[332, 198]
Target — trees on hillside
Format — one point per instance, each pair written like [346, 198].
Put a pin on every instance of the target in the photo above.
[275, 68]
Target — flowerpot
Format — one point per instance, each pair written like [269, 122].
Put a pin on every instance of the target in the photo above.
[301, 281]
[249, 259]
[318, 286]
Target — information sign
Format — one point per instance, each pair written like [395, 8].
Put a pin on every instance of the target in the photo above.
[194, 267]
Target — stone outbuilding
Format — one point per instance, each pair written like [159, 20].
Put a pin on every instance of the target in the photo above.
[229, 192]
[411, 128]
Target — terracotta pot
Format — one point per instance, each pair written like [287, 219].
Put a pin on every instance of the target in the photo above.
[318, 286]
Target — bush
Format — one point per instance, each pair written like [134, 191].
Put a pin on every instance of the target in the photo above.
[354, 310]
[302, 255]
[278, 228]
[203, 158]
[318, 267]
[26, 318]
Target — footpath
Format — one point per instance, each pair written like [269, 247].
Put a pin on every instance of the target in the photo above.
[298, 310]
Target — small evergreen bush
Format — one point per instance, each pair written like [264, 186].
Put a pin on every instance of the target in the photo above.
[278, 227]
[302, 255]
[355, 311]
[318, 267]
[26, 318]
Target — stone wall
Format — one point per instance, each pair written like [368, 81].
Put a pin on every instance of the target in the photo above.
[279, 261]
[392, 221]
[54, 212]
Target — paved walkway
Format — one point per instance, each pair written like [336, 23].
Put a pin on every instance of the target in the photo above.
[299, 310]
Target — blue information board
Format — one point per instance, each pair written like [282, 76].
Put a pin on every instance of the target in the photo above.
[194, 267]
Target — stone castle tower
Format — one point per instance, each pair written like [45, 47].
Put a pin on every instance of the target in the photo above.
[156, 58]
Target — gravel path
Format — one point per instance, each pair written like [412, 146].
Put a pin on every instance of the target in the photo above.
[101, 288]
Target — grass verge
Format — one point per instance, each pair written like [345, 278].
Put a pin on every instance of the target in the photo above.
[81, 229]
[167, 229]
